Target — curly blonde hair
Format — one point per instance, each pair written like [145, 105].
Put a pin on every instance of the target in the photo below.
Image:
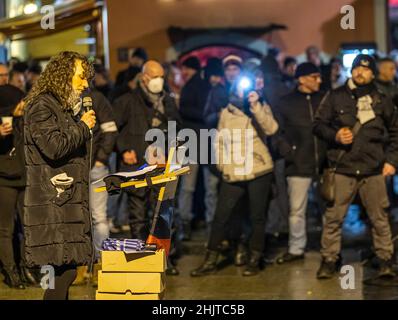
[57, 78]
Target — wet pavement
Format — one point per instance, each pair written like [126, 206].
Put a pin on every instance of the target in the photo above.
[290, 281]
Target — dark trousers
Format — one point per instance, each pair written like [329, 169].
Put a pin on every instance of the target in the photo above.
[11, 202]
[258, 193]
[238, 226]
[64, 277]
[139, 203]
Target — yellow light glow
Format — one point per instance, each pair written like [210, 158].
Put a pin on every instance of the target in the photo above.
[30, 8]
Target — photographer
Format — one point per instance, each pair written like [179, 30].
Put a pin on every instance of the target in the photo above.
[247, 115]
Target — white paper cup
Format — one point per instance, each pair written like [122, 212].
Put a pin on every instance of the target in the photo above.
[7, 120]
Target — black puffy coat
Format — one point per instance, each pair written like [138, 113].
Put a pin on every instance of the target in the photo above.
[370, 149]
[57, 229]
[304, 153]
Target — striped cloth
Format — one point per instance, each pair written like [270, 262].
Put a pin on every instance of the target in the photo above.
[126, 245]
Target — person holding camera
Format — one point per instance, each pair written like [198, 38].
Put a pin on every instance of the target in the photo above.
[246, 166]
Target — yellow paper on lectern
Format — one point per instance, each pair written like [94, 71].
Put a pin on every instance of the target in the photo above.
[128, 296]
[118, 261]
[122, 282]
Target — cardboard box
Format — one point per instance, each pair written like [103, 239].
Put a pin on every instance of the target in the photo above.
[148, 261]
[122, 282]
[128, 296]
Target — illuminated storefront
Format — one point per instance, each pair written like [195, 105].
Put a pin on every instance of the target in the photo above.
[77, 26]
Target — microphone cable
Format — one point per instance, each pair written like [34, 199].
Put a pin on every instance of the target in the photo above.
[87, 104]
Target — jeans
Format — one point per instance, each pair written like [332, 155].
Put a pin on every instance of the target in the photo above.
[188, 185]
[98, 208]
[298, 188]
[258, 192]
[11, 201]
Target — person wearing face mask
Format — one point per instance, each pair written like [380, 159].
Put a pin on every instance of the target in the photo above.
[360, 125]
[243, 128]
[303, 152]
[146, 107]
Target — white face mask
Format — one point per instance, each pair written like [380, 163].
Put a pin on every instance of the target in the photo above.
[156, 85]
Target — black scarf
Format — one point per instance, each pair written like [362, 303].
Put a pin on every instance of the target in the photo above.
[363, 90]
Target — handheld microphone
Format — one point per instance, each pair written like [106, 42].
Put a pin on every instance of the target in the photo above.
[88, 103]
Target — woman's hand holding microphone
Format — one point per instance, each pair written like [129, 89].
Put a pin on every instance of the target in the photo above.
[89, 119]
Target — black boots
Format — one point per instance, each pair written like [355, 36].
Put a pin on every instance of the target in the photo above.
[209, 266]
[241, 256]
[327, 269]
[171, 268]
[288, 257]
[385, 269]
[28, 277]
[12, 278]
[253, 267]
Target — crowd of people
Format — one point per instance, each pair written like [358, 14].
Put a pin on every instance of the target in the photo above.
[305, 117]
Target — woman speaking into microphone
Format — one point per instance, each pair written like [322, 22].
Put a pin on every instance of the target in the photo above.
[56, 141]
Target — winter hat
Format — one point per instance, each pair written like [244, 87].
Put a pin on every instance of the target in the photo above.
[289, 60]
[232, 60]
[192, 63]
[140, 53]
[364, 60]
[305, 69]
[214, 68]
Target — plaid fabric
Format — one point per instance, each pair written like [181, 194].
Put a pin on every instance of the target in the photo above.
[127, 245]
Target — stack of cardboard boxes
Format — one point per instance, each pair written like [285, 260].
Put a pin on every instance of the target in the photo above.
[132, 276]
